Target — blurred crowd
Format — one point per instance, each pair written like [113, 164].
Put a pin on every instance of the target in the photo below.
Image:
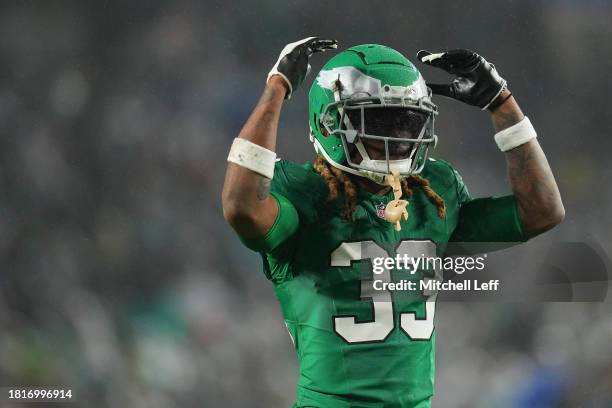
[118, 275]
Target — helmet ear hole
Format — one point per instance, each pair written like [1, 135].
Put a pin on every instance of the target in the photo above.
[322, 129]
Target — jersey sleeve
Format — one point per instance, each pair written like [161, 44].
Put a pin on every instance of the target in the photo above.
[284, 227]
[489, 219]
[287, 220]
[295, 189]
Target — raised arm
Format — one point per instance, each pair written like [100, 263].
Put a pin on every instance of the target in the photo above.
[532, 180]
[533, 184]
[247, 205]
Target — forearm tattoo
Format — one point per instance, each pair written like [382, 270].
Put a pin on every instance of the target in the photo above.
[533, 185]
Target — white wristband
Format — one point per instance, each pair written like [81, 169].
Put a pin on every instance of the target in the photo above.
[515, 135]
[253, 157]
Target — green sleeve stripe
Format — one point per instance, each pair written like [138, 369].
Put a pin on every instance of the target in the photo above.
[285, 225]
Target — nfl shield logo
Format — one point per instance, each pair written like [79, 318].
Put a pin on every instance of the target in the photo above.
[380, 210]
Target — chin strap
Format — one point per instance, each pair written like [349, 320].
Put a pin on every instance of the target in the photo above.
[396, 209]
[378, 178]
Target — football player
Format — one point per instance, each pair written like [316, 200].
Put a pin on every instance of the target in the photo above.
[372, 191]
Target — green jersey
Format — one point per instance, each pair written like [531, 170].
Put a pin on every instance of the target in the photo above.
[358, 347]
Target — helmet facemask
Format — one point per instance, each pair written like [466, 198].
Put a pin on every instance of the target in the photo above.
[382, 133]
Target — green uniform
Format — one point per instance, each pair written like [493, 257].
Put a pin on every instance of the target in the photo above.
[357, 348]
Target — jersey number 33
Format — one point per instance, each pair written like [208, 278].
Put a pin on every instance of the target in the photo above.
[382, 324]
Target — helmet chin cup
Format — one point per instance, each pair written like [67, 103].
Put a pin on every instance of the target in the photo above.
[381, 166]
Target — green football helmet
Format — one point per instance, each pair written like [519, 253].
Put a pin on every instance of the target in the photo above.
[371, 95]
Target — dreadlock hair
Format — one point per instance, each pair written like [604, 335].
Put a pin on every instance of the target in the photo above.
[336, 179]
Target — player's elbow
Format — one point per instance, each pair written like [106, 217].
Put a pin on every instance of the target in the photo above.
[556, 215]
[240, 213]
[545, 220]
[555, 211]
[237, 213]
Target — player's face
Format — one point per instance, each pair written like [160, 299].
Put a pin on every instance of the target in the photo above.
[397, 123]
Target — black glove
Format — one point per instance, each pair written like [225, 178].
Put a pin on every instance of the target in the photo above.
[477, 82]
[293, 66]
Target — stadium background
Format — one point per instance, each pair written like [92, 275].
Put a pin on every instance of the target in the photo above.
[119, 277]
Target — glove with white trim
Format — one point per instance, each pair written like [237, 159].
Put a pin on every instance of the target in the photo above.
[476, 83]
[292, 64]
